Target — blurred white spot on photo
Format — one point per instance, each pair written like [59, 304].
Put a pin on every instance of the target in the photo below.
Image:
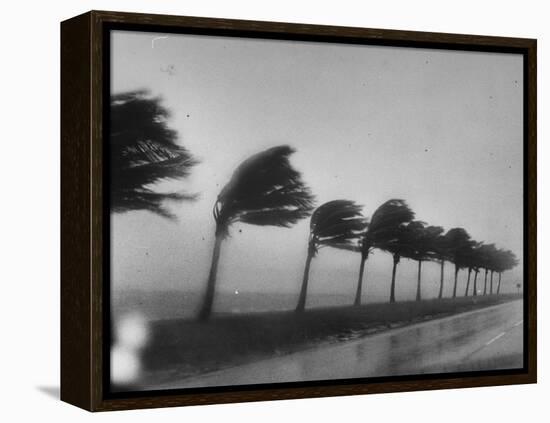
[125, 366]
[132, 331]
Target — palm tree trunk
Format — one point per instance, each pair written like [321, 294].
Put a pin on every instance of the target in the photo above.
[303, 292]
[491, 290]
[418, 294]
[208, 300]
[358, 293]
[456, 280]
[392, 289]
[441, 279]
[475, 282]
[498, 286]
[485, 284]
[468, 283]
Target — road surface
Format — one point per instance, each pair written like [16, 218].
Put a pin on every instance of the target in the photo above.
[485, 339]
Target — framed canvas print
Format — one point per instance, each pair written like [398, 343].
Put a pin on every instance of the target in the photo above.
[258, 210]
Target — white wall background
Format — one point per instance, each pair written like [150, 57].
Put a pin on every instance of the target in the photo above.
[29, 232]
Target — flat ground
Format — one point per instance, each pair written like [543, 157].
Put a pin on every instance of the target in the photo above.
[485, 339]
[184, 352]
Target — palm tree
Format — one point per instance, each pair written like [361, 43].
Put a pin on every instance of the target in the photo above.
[468, 281]
[507, 260]
[384, 223]
[337, 224]
[143, 151]
[472, 263]
[499, 263]
[476, 271]
[441, 254]
[402, 245]
[423, 239]
[487, 261]
[492, 263]
[264, 190]
[478, 261]
[459, 246]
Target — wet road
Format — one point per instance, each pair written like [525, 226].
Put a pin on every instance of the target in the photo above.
[485, 339]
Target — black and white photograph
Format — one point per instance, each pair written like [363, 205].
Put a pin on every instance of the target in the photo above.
[285, 211]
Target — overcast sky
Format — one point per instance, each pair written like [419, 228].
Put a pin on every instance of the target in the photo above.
[440, 129]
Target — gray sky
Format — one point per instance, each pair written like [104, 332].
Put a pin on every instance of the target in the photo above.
[440, 129]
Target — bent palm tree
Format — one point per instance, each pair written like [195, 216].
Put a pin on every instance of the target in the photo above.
[143, 151]
[468, 282]
[264, 190]
[459, 245]
[423, 240]
[385, 222]
[474, 288]
[402, 245]
[477, 261]
[441, 253]
[506, 261]
[337, 224]
[471, 262]
[487, 261]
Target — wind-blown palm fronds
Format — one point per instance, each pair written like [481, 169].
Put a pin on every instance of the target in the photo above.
[384, 227]
[469, 261]
[143, 151]
[487, 254]
[505, 260]
[474, 263]
[264, 190]
[441, 253]
[459, 247]
[336, 224]
[403, 244]
[495, 260]
[422, 242]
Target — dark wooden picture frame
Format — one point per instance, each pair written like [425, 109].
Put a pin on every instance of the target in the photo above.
[84, 299]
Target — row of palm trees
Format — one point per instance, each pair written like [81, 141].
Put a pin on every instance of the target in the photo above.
[392, 228]
[266, 190]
